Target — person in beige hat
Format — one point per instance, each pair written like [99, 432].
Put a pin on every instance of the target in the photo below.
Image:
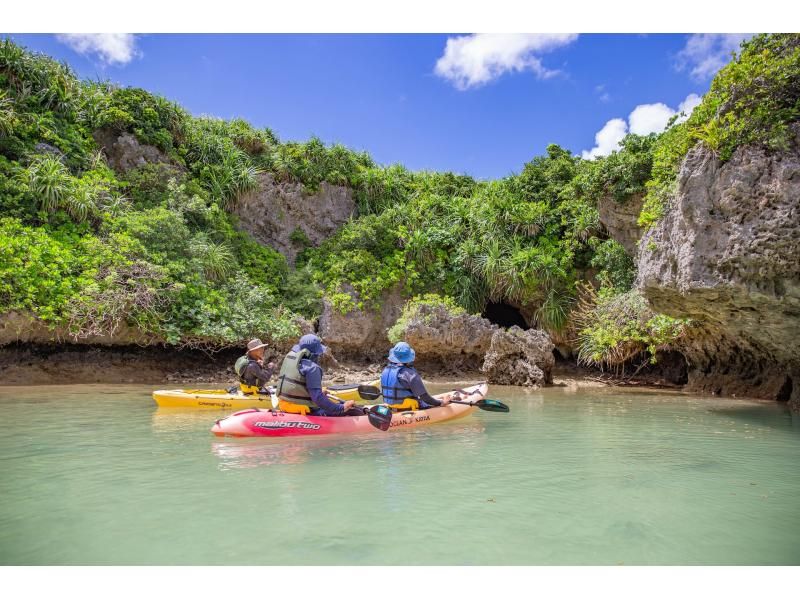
[250, 368]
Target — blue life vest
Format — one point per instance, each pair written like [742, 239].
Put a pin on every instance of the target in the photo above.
[391, 390]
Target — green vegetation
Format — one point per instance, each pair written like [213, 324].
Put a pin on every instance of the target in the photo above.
[752, 101]
[89, 247]
[524, 238]
[614, 328]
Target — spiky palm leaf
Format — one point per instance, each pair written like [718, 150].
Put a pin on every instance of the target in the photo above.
[554, 311]
[7, 114]
[49, 182]
[80, 203]
[216, 259]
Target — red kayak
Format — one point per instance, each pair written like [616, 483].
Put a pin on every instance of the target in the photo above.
[269, 422]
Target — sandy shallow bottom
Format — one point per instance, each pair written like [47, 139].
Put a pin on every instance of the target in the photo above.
[95, 474]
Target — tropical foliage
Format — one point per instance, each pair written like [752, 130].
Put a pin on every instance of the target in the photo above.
[616, 328]
[157, 246]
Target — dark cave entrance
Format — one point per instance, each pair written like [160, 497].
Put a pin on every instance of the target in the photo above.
[504, 315]
[785, 393]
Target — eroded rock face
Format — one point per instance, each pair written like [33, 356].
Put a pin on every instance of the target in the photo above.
[460, 340]
[727, 254]
[24, 329]
[277, 212]
[520, 357]
[620, 219]
[124, 152]
[17, 327]
[360, 334]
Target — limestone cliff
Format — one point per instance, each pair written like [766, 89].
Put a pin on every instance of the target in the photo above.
[459, 340]
[727, 254]
[286, 217]
[360, 334]
[520, 357]
[124, 151]
[620, 220]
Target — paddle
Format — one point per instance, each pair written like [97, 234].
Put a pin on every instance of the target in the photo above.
[370, 393]
[336, 387]
[379, 416]
[486, 405]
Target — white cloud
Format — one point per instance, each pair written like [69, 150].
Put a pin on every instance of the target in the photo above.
[607, 139]
[643, 120]
[705, 53]
[112, 48]
[603, 95]
[475, 60]
[649, 118]
[688, 105]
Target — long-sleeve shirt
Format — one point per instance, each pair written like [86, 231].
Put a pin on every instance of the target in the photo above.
[256, 374]
[410, 378]
[312, 372]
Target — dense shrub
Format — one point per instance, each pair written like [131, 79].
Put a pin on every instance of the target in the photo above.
[614, 329]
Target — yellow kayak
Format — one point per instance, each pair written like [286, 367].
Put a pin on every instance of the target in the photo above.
[222, 399]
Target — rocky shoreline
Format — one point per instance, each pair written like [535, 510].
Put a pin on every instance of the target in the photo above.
[31, 364]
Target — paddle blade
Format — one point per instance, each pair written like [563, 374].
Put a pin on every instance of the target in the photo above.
[380, 416]
[338, 387]
[492, 405]
[369, 393]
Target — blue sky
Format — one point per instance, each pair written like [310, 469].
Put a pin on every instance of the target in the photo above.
[493, 103]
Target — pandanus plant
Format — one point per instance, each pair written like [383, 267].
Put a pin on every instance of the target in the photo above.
[49, 182]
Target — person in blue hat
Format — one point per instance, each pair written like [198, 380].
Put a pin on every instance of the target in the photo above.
[300, 382]
[401, 385]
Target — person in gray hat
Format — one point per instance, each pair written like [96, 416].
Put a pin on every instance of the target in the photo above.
[250, 368]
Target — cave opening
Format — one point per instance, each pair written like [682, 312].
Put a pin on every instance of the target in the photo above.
[785, 393]
[505, 315]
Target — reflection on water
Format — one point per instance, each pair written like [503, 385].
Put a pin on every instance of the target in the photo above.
[237, 453]
[98, 475]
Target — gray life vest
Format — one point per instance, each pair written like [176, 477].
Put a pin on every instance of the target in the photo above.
[240, 366]
[291, 383]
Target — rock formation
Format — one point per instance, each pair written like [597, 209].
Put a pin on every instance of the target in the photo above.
[124, 152]
[520, 357]
[287, 218]
[18, 327]
[460, 340]
[360, 334]
[727, 254]
[620, 220]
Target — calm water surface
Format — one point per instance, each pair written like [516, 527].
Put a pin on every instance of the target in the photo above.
[597, 476]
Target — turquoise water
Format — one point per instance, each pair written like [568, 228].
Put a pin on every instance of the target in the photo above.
[594, 476]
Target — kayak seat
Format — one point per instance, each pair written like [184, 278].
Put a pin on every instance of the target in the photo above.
[288, 407]
[407, 405]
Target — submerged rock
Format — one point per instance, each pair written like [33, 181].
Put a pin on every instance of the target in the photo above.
[727, 255]
[520, 357]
